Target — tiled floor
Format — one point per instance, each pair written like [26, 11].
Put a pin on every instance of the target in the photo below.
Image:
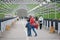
[18, 32]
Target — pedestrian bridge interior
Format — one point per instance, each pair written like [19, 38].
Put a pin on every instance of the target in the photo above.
[13, 29]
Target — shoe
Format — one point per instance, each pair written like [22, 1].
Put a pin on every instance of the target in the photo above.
[29, 35]
[35, 35]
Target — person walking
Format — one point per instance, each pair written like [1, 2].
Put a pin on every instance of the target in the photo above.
[40, 22]
[28, 26]
[32, 21]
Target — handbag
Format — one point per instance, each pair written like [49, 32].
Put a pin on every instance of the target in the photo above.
[35, 25]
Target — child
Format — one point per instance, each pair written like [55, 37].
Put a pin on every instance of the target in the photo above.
[28, 26]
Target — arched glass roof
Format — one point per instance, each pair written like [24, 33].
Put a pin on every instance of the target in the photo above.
[39, 7]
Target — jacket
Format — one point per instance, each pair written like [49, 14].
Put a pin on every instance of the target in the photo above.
[28, 25]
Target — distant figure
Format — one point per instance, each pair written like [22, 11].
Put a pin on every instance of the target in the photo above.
[22, 17]
[40, 22]
[36, 18]
[17, 19]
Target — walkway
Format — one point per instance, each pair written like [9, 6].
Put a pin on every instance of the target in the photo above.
[18, 32]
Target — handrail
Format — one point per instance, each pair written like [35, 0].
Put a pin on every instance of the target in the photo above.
[52, 20]
[4, 19]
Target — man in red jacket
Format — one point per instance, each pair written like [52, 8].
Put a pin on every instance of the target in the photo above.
[32, 22]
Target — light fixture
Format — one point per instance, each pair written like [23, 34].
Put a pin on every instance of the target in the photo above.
[48, 0]
[44, 3]
[40, 4]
